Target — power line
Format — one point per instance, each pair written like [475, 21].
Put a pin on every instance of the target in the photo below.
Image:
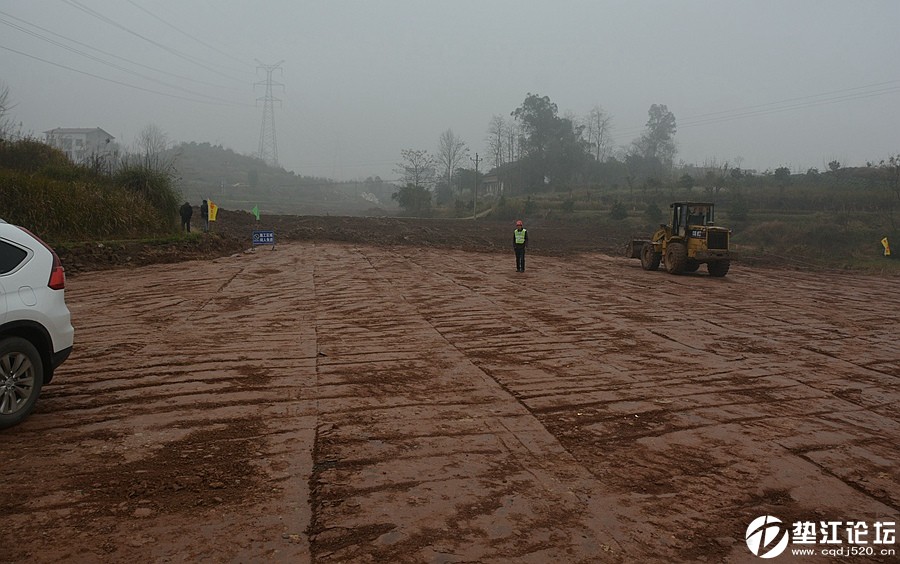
[108, 54]
[117, 81]
[796, 99]
[108, 63]
[768, 108]
[186, 34]
[179, 54]
[811, 104]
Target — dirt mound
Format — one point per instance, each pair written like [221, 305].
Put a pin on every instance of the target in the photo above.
[84, 257]
[545, 236]
[233, 230]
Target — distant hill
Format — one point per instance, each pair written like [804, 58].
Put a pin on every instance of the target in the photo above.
[239, 182]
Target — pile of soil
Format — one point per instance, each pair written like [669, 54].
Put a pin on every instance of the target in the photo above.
[232, 233]
[83, 257]
[545, 236]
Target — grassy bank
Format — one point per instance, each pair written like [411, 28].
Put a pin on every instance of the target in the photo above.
[59, 201]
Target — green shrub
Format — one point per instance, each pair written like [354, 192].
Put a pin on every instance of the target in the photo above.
[506, 209]
[739, 210]
[416, 200]
[653, 213]
[154, 185]
[30, 156]
[618, 211]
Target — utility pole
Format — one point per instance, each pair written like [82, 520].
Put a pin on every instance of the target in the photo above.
[475, 190]
[268, 147]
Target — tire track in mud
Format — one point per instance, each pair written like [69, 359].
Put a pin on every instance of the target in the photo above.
[172, 414]
[419, 455]
[790, 384]
[352, 403]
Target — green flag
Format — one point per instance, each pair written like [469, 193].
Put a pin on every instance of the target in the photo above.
[255, 212]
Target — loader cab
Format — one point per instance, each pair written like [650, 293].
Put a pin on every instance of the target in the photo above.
[687, 214]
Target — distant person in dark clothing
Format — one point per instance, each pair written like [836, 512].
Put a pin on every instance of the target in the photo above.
[520, 241]
[186, 212]
[204, 215]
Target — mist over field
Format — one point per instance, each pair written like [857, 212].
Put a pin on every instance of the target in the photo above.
[758, 85]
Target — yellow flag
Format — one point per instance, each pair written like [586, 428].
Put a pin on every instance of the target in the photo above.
[887, 248]
[213, 210]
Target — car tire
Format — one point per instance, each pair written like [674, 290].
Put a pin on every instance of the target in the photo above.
[21, 378]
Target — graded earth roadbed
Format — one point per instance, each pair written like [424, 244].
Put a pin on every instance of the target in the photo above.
[344, 403]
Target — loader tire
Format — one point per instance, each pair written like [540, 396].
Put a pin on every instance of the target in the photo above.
[649, 257]
[691, 266]
[718, 268]
[676, 257]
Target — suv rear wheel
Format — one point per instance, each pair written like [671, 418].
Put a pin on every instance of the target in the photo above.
[21, 377]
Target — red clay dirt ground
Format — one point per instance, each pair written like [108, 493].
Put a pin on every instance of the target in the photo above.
[397, 400]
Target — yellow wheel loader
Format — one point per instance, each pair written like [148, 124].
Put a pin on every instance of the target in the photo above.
[691, 239]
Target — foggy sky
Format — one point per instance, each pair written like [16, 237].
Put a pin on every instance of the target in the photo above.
[760, 83]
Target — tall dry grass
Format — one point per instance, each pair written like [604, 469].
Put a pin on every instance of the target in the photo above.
[40, 189]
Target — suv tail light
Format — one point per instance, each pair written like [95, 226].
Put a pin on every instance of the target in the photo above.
[57, 279]
[57, 274]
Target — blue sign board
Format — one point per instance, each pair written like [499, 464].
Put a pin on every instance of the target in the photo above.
[264, 238]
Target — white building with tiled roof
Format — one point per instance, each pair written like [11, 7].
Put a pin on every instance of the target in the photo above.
[81, 144]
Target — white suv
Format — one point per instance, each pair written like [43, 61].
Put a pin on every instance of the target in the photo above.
[35, 328]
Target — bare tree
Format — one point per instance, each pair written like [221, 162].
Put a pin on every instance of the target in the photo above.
[5, 105]
[417, 168]
[712, 175]
[151, 141]
[596, 132]
[513, 133]
[496, 140]
[451, 152]
[892, 167]
[149, 149]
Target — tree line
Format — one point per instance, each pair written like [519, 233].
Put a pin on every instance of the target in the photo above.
[536, 149]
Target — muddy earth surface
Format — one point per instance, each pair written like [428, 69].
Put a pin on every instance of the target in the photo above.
[404, 395]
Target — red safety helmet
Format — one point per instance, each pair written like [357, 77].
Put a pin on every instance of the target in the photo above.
[519, 223]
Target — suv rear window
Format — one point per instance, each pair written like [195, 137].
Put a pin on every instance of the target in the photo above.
[11, 256]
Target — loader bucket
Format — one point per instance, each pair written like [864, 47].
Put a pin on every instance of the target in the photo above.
[634, 248]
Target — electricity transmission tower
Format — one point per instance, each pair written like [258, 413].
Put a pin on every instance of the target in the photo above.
[268, 147]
